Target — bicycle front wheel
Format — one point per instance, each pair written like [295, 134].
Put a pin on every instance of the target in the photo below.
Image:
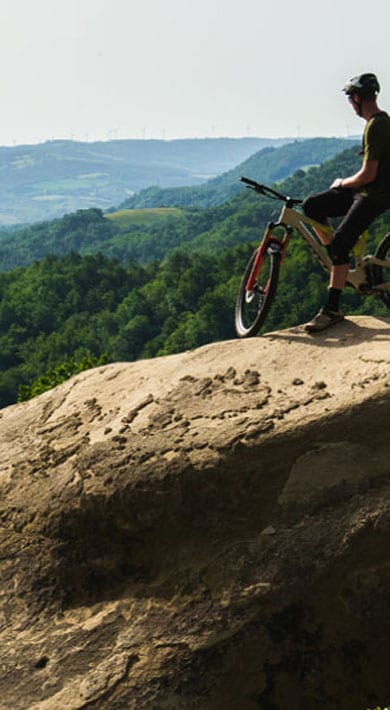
[252, 306]
[381, 274]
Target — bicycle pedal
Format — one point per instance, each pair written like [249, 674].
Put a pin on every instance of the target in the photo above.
[366, 289]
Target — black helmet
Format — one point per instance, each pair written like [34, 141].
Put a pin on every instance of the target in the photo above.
[365, 85]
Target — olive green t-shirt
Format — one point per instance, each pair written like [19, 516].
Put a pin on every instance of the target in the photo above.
[376, 146]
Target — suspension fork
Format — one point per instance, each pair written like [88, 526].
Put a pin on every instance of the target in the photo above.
[269, 244]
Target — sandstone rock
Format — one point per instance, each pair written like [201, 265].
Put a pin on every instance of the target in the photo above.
[136, 570]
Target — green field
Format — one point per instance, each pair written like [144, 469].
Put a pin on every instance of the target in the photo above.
[150, 216]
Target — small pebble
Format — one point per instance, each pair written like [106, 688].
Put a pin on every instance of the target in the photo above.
[269, 530]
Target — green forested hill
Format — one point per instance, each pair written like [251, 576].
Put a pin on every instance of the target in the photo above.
[272, 163]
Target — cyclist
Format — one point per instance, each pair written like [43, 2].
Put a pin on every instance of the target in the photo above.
[359, 198]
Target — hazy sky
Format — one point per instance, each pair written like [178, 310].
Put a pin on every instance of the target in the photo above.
[99, 69]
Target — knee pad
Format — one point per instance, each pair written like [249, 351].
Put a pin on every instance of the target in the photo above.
[308, 206]
[337, 252]
[313, 207]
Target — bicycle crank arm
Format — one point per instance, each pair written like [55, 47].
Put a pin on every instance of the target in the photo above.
[374, 260]
[382, 287]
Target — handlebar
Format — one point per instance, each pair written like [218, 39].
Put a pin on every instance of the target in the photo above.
[268, 191]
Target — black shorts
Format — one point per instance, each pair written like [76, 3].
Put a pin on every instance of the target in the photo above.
[358, 212]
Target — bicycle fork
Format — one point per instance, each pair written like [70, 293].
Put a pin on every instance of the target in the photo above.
[268, 245]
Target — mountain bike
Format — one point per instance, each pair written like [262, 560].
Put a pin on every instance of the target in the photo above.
[370, 275]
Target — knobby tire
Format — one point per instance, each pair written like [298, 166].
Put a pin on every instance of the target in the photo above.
[381, 274]
[249, 317]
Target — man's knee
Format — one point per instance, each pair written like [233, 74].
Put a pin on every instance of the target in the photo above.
[313, 207]
[337, 252]
[308, 206]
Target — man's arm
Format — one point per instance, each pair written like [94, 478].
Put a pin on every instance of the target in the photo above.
[365, 175]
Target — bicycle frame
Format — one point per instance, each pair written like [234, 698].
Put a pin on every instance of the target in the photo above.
[290, 219]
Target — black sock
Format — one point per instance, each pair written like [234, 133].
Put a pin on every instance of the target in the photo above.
[333, 299]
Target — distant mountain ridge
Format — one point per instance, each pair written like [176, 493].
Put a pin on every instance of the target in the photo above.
[270, 164]
[45, 181]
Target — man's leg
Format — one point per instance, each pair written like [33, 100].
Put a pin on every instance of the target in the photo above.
[338, 276]
[335, 202]
[361, 214]
[331, 203]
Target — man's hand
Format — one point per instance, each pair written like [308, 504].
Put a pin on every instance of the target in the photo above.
[366, 174]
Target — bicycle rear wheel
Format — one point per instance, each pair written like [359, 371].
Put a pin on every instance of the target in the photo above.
[252, 307]
[381, 274]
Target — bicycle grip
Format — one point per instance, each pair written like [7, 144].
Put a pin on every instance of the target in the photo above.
[251, 183]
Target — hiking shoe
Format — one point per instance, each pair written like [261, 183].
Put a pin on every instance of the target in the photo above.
[324, 319]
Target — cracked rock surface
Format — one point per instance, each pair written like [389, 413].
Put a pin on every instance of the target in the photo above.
[205, 530]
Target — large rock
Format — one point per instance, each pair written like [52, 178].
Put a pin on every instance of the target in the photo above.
[206, 530]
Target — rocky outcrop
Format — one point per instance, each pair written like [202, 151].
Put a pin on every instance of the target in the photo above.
[206, 530]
